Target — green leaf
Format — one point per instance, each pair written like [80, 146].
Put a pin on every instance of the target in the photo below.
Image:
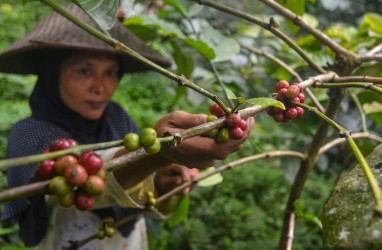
[176, 6]
[212, 180]
[373, 107]
[241, 100]
[201, 47]
[103, 12]
[230, 94]
[224, 47]
[266, 102]
[374, 22]
[181, 212]
[183, 61]
[296, 6]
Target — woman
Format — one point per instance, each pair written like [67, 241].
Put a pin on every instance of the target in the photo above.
[77, 76]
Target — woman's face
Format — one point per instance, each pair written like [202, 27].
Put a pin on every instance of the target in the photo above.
[88, 81]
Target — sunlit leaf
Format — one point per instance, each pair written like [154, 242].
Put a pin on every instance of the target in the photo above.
[373, 107]
[374, 22]
[103, 12]
[241, 100]
[230, 94]
[266, 102]
[180, 213]
[212, 180]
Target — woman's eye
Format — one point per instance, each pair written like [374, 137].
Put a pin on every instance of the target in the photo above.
[84, 72]
[113, 73]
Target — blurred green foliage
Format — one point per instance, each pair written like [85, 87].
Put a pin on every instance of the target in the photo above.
[246, 210]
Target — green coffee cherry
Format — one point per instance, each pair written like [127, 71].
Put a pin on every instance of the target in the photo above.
[147, 137]
[223, 135]
[154, 148]
[131, 142]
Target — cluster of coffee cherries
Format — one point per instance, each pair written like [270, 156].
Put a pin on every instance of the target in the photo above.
[286, 94]
[234, 126]
[151, 201]
[147, 139]
[107, 228]
[74, 180]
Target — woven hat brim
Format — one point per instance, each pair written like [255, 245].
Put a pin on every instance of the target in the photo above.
[56, 33]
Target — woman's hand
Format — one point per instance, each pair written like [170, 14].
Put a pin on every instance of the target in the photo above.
[171, 176]
[197, 152]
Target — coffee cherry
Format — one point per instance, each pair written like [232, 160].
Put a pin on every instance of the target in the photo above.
[102, 173]
[215, 109]
[100, 234]
[211, 118]
[281, 95]
[147, 137]
[76, 174]
[110, 231]
[83, 201]
[299, 86]
[154, 148]
[296, 99]
[131, 142]
[223, 135]
[233, 120]
[282, 85]
[94, 185]
[45, 170]
[236, 133]
[212, 133]
[66, 200]
[63, 162]
[277, 110]
[91, 162]
[279, 117]
[300, 111]
[291, 113]
[292, 92]
[59, 144]
[72, 142]
[60, 186]
[301, 96]
[243, 125]
[269, 111]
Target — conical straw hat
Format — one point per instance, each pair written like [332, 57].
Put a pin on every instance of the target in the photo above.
[57, 33]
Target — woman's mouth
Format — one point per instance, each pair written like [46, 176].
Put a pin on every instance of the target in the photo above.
[95, 105]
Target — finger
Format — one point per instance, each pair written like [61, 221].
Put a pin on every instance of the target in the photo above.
[184, 120]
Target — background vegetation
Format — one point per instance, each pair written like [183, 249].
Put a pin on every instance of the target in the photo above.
[245, 211]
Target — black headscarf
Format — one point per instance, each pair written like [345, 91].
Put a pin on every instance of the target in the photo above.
[52, 119]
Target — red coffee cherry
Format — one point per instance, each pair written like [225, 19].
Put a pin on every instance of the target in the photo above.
[243, 125]
[76, 174]
[59, 144]
[236, 133]
[233, 120]
[94, 185]
[279, 117]
[300, 111]
[292, 92]
[92, 164]
[45, 170]
[63, 162]
[301, 96]
[277, 110]
[83, 201]
[291, 113]
[299, 86]
[269, 111]
[215, 109]
[282, 85]
[281, 95]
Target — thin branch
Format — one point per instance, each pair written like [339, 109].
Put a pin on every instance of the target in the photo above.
[301, 23]
[368, 58]
[267, 26]
[289, 69]
[375, 50]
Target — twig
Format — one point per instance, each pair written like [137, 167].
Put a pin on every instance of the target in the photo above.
[267, 26]
[289, 69]
[301, 23]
